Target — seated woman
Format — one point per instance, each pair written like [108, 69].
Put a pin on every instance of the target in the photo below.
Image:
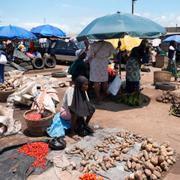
[76, 110]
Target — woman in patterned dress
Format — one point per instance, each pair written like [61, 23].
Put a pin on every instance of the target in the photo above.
[133, 67]
[98, 56]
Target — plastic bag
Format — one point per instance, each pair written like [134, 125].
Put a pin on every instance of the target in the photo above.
[57, 128]
[115, 86]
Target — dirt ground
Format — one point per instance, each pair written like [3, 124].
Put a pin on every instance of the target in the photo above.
[152, 120]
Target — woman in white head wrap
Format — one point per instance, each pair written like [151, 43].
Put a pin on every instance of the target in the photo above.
[79, 67]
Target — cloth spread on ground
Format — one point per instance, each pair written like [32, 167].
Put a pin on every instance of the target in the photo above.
[88, 143]
[15, 166]
[57, 128]
[63, 168]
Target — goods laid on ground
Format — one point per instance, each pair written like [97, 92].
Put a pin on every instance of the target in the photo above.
[6, 86]
[151, 162]
[38, 150]
[91, 176]
[175, 107]
[6, 89]
[29, 88]
[166, 97]
[114, 154]
[133, 99]
[172, 97]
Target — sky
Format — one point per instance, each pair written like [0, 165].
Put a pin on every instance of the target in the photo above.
[73, 15]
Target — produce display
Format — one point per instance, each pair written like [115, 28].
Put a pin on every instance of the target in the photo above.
[175, 107]
[150, 162]
[6, 86]
[166, 97]
[38, 150]
[170, 97]
[90, 177]
[33, 116]
[133, 99]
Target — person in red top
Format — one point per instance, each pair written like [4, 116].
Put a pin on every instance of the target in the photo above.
[31, 48]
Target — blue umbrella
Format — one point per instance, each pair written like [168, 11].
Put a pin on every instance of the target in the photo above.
[48, 31]
[15, 32]
[119, 24]
[173, 38]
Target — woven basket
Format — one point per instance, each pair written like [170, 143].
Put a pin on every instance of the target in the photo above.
[38, 127]
[162, 76]
[4, 95]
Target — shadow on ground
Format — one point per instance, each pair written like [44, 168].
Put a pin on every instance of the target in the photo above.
[110, 104]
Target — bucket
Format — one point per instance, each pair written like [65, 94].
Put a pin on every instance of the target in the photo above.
[38, 127]
[162, 76]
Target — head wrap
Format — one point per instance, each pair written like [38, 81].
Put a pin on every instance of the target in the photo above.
[80, 80]
[80, 103]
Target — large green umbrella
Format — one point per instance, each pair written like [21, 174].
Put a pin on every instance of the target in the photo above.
[119, 24]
